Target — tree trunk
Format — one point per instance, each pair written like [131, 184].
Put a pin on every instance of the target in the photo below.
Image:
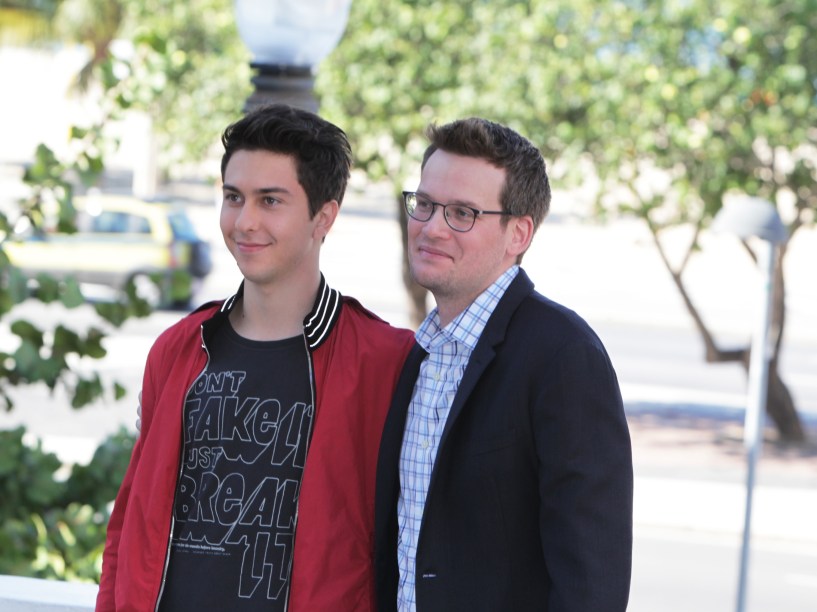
[779, 402]
[780, 407]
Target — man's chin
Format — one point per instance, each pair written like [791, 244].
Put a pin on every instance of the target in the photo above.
[426, 279]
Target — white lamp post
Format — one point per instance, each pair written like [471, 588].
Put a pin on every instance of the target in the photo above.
[288, 39]
[746, 218]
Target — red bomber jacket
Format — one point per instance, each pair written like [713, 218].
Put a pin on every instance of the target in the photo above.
[356, 359]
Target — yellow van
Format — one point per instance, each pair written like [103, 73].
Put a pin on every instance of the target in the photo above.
[120, 239]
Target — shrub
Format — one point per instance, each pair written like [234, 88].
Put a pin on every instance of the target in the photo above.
[54, 526]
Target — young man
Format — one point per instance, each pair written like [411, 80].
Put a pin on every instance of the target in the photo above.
[504, 480]
[251, 486]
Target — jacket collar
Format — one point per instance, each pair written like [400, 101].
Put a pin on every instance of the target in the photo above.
[320, 320]
[493, 335]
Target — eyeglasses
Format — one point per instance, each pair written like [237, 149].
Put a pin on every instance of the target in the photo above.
[459, 217]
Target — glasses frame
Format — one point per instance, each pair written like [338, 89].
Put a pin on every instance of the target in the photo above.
[477, 212]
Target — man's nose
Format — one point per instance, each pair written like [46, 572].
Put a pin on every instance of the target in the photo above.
[437, 224]
[247, 219]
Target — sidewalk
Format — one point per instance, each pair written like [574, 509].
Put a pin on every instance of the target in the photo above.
[691, 475]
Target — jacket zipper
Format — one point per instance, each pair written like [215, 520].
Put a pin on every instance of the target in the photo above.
[178, 478]
[306, 455]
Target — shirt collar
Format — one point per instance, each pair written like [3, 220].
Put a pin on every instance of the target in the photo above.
[467, 326]
[317, 324]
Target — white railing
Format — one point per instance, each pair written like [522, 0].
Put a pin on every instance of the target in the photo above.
[33, 595]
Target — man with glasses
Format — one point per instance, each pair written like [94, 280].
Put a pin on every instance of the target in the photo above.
[504, 479]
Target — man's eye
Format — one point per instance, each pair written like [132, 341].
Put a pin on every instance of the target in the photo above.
[271, 201]
[461, 213]
[423, 205]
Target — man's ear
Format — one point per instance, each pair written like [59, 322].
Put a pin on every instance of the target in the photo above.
[325, 219]
[521, 234]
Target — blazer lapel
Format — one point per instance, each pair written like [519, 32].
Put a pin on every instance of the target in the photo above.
[484, 352]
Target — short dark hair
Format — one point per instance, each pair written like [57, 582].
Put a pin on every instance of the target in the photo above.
[321, 151]
[527, 188]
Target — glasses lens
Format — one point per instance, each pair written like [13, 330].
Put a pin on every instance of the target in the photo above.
[460, 218]
[419, 208]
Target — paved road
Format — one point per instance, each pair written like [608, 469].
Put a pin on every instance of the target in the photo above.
[684, 571]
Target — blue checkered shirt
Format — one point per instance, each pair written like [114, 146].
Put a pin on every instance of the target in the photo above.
[440, 374]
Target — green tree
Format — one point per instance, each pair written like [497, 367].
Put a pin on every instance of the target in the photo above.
[50, 357]
[713, 98]
[189, 71]
[53, 526]
[184, 65]
[402, 65]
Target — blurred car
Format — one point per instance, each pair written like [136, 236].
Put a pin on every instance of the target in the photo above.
[121, 239]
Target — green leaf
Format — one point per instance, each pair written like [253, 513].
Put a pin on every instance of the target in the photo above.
[28, 332]
[71, 295]
[86, 392]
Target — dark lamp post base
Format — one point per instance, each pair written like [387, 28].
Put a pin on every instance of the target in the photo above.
[278, 83]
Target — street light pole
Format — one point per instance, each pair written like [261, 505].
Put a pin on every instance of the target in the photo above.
[748, 218]
[288, 39]
[285, 84]
[756, 405]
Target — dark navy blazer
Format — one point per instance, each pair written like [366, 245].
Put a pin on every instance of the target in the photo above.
[530, 501]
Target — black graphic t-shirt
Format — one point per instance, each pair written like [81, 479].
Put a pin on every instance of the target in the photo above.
[248, 420]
